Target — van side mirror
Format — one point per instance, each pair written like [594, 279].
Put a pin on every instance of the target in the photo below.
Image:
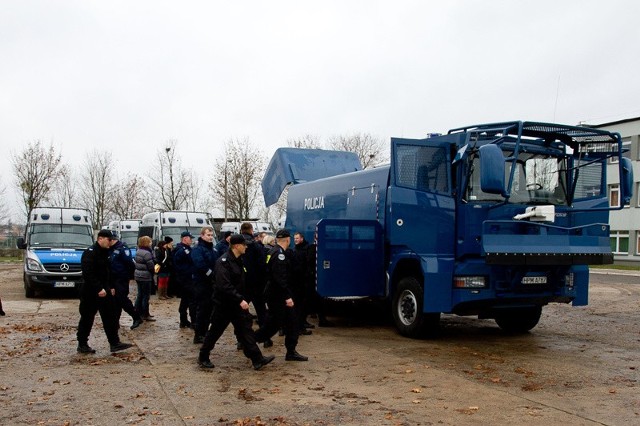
[492, 169]
[626, 181]
[21, 244]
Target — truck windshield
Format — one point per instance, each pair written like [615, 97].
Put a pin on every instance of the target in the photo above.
[130, 238]
[537, 179]
[67, 236]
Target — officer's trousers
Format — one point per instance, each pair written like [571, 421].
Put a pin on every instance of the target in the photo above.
[242, 321]
[280, 316]
[89, 306]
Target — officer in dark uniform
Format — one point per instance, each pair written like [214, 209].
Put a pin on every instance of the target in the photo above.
[204, 262]
[183, 274]
[122, 268]
[230, 306]
[281, 313]
[96, 295]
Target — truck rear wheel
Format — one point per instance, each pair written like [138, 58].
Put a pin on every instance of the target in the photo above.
[408, 316]
[519, 320]
[29, 292]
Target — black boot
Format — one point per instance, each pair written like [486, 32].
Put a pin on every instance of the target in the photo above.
[83, 348]
[295, 356]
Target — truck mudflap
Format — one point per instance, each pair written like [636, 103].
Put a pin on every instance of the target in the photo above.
[507, 242]
[296, 165]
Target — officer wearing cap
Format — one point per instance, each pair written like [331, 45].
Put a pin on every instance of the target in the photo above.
[281, 313]
[230, 306]
[183, 272]
[122, 267]
[96, 295]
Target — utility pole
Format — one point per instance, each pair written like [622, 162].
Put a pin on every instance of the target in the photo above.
[225, 191]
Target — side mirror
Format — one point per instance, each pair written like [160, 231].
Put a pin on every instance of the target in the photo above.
[626, 181]
[492, 169]
[21, 244]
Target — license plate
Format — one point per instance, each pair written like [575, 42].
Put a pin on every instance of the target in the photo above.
[534, 280]
[65, 284]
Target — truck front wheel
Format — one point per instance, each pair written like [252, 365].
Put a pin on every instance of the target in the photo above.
[519, 320]
[409, 318]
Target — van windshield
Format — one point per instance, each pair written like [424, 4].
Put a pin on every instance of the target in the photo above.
[130, 238]
[175, 231]
[68, 236]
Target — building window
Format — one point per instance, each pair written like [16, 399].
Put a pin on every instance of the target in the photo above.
[638, 242]
[619, 242]
[614, 195]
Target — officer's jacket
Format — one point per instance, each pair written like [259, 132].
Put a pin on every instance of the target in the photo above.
[254, 261]
[121, 262]
[204, 262]
[95, 271]
[279, 273]
[182, 262]
[229, 285]
[221, 248]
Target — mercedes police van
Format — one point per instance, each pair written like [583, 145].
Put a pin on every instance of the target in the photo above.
[54, 241]
[159, 225]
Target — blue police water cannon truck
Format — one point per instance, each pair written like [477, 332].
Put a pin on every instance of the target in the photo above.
[494, 220]
[54, 241]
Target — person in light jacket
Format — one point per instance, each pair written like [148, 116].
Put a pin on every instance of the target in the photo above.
[143, 275]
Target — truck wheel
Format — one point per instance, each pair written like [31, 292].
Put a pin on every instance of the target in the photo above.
[519, 320]
[29, 292]
[407, 312]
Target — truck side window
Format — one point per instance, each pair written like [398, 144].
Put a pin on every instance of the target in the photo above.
[423, 168]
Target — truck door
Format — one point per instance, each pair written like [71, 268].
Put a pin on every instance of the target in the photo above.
[421, 213]
[350, 258]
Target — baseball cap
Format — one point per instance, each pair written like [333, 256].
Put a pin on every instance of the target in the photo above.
[283, 233]
[105, 233]
[237, 239]
[186, 234]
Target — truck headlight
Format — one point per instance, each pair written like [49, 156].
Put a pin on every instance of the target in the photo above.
[33, 265]
[469, 282]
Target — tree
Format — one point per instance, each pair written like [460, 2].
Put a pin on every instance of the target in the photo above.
[194, 201]
[97, 187]
[36, 170]
[65, 193]
[236, 179]
[170, 184]
[4, 212]
[129, 198]
[370, 149]
[305, 141]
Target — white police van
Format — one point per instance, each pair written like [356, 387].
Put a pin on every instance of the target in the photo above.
[54, 240]
[159, 225]
[127, 231]
[257, 227]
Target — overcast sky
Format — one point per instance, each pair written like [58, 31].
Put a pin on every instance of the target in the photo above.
[126, 76]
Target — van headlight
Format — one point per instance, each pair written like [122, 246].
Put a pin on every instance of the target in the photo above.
[469, 282]
[34, 265]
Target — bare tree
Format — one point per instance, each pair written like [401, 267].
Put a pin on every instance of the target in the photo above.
[195, 200]
[4, 211]
[237, 176]
[305, 141]
[65, 193]
[97, 187]
[170, 184]
[370, 149]
[129, 198]
[36, 170]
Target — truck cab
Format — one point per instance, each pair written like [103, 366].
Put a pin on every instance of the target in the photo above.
[54, 241]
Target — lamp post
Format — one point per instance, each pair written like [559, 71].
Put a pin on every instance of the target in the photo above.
[225, 191]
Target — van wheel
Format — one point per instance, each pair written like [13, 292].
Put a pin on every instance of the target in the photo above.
[519, 320]
[408, 315]
[29, 292]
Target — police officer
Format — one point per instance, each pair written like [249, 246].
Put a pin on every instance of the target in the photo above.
[281, 313]
[230, 306]
[96, 295]
[204, 261]
[183, 273]
[122, 268]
